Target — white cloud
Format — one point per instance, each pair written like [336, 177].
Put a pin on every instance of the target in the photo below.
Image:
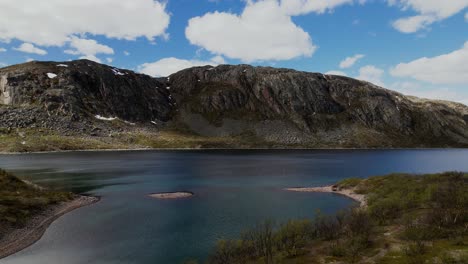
[2, 64]
[437, 93]
[87, 47]
[336, 73]
[429, 11]
[262, 32]
[300, 7]
[371, 74]
[413, 24]
[168, 66]
[218, 60]
[53, 22]
[3, 50]
[466, 16]
[91, 58]
[109, 60]
[126, 53]
[350, 61]
[451, 68]
[30, 48]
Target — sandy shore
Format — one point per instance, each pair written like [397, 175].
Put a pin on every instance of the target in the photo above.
[19, 239]
[171, 195]
[329, 189]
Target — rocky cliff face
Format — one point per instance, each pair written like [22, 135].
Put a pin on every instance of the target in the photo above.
[310, 108]
[278, 106]
[84, 88]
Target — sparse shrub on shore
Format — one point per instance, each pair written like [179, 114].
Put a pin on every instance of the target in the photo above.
[409, 219]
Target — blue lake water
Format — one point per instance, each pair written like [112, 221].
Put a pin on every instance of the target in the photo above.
[234, 190]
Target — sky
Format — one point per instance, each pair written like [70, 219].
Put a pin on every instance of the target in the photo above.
[417, 47]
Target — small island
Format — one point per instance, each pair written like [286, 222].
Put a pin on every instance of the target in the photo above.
[171, 195]
[27, 210]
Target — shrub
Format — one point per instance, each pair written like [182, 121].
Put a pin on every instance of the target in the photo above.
[293, 236]
[261, 241]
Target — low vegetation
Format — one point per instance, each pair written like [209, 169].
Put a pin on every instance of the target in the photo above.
[409, 219]
[37, 140]
[20, 201]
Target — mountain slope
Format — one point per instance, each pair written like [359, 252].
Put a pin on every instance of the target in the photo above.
[243, 105]
[312, 109]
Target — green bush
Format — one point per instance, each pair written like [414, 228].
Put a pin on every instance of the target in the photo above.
[293, 236]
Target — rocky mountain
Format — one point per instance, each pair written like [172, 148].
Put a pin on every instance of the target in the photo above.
[250, 106]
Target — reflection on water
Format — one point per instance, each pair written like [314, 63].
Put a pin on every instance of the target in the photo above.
[72, 180]
[233, 190]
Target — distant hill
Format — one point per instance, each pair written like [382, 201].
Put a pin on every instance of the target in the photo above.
[50, 105]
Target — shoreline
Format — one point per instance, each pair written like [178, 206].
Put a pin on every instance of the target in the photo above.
[207, 149]
[19, 239]
[360, 198]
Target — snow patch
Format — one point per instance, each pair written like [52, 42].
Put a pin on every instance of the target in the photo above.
[129, 123]
[51, 75]
[105, 118]
[168, 87]
[154, 122]
[117, 72]
[62, 65]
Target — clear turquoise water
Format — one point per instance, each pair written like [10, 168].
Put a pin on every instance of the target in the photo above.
[233, 191]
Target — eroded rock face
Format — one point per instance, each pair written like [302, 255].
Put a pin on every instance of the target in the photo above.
[321, 107]
[83, 89]
[5, 97]
[280, 106]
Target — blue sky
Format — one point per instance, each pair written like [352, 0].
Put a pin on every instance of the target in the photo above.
[418, 47]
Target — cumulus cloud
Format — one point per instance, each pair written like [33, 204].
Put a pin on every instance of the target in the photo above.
[423, 91]
[91, 58]
[168, 66]
[30, 48]
[262, 32]
[350, 61]
[53, 22]
[450, 68]
[371, 74]
[341, 73]
[300, 7]
[88, 48]
[466, 17]
[3, 50]
[429, 11]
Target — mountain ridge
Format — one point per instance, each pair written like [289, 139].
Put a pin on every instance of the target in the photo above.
[245, 105]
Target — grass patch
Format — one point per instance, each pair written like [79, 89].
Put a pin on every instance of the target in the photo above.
[19, 201]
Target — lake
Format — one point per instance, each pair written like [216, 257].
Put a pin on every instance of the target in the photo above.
[234, 190]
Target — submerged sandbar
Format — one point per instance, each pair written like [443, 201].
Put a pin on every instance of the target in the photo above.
[171, 195]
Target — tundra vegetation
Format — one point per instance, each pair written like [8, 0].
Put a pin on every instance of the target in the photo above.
[409, 219]
[20, 201]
